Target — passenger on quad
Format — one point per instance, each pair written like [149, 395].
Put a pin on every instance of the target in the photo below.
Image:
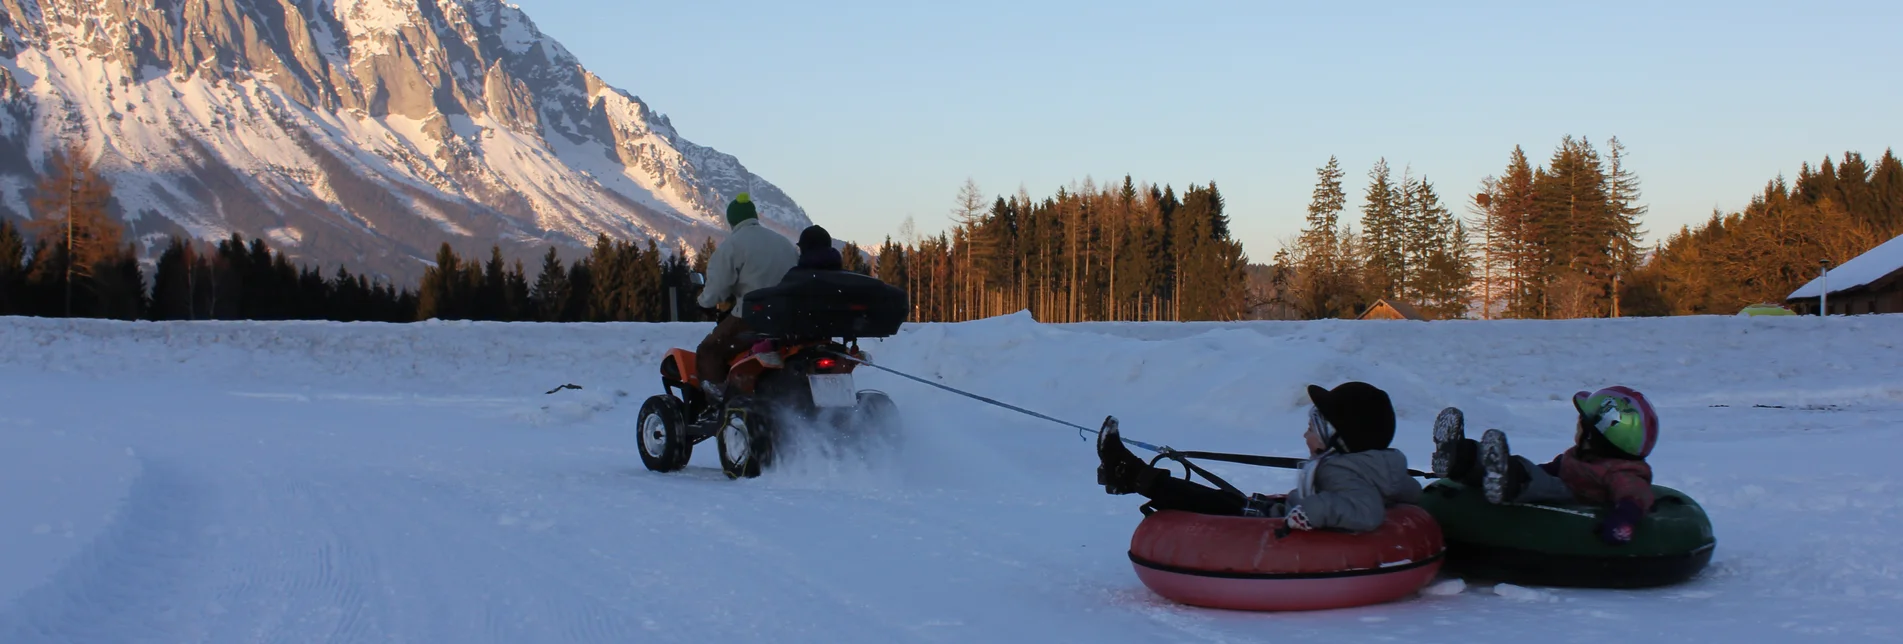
[751, 257]
[817, 252]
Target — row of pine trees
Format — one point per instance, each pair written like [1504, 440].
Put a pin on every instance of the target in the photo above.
[240, 280]
[618, 281]
[1550, 241]
[1545, 242]
[1116, 252]
[1834, 211]
[1410, 248]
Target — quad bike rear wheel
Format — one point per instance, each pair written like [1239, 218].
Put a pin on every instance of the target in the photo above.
[663, 428]
[875, 420]
[746, 444]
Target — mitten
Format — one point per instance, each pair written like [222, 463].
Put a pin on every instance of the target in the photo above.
[1297, 519]
[1616, 529]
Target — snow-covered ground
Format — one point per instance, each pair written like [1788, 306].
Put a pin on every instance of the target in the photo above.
[315, 482]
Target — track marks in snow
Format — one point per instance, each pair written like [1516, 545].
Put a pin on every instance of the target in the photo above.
[125, 580]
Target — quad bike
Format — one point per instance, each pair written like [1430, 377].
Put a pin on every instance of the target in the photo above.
[775, 386]
[795, 383]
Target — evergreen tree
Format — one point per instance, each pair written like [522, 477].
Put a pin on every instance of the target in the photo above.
[1517, 242]
[441, 287]
[890, 266]
[852, 259]
[647, 298]
[1886, 188]
[1853, 187]
[13, 270]
[1382, 233]
[1427, 245]
[172, 297]
[552, 291]
[581, 290]
[349, 299]
[1622, 193]
[119, 287]
[1445, 269]
[314, 294]
[515, 296]
[608, 266]
[1416, 238]
[491, 300]
[1576, 223]
[1321, 284]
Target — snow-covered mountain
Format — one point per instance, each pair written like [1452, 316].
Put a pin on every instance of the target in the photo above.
[363, 132]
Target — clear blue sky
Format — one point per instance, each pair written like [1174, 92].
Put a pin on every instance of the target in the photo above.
[867, 112]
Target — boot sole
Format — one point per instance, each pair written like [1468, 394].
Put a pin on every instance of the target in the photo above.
[1493, 458]
[1449, 428]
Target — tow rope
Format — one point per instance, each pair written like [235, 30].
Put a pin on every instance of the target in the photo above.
[1162, 451]
[1021, 410]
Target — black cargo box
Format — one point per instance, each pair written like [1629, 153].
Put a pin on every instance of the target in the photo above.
[826, 304]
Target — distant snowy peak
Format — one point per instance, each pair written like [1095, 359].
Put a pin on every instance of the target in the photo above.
[358, 131]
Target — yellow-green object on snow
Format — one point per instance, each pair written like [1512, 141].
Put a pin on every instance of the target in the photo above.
[1756, 310]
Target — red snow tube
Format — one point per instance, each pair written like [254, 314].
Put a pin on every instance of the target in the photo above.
[1238, 563]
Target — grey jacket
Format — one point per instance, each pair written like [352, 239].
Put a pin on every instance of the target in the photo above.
[752, 257]
[1353, 491]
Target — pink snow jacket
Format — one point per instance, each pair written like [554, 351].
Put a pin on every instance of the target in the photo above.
[1604, 481]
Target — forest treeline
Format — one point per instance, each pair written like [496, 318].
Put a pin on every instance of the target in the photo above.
[1559, 239]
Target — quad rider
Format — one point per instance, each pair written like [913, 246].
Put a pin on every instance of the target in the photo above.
[752, 257]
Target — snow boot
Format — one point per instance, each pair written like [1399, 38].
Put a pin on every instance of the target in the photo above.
[1504, 479]
[716, 402]
[1118, 470]
[1450, 436]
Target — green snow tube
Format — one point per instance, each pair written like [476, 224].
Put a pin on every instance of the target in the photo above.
[1554, 545]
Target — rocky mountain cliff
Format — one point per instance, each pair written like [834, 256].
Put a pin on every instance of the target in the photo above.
[360, 132]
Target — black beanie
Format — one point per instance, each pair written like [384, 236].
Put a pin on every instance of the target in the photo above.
[815, 237]
[1361, 414]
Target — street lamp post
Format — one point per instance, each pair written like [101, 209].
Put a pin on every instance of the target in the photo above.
[1823, 295]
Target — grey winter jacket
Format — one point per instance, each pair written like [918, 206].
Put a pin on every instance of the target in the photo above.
[1353, 491]
[752, 257]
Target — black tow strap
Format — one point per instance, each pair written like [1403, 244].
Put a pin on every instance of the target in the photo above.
[1162, 452]
[1283, 462]
[1183, 457]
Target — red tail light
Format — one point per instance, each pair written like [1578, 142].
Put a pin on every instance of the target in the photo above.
[826, 363]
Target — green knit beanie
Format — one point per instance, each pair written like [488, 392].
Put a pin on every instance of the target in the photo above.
[740, 210]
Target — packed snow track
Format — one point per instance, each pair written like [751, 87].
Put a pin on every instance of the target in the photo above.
[318, 482]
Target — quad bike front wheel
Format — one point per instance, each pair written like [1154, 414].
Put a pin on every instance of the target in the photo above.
[664, 445]
[746, 444]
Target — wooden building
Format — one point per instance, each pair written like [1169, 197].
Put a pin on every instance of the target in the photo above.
[1870, 283]
[1384, 309]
